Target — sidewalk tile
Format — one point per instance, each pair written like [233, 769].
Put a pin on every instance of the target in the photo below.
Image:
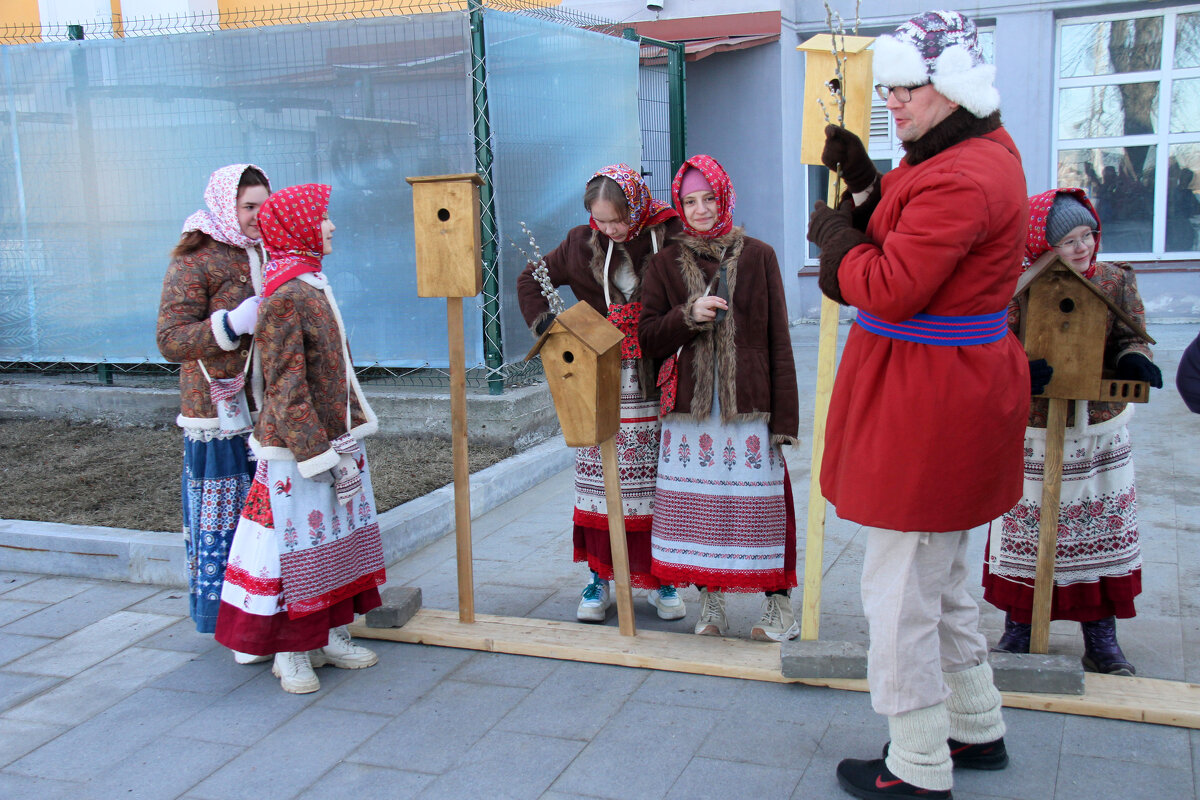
[50, 589]
[1082, 776]
[640, 753]
[160, 770]
[366, 782]
[1034, 741]
[405, 672]
[181, 636]
[89, 606]
[16, 689]
[1126, 741]
[83, 696]
[292, 757]
[584, 696]
[20, 787]
[91, 748]
[13, 610]
[502, 669]
[171, 602]
[14, 580]
[711, 779]
[768, 741]
[211, 672]
[15, 645]
[695, 691]
[435, 731]
[17, 738]
[76, 652]
[518, 765]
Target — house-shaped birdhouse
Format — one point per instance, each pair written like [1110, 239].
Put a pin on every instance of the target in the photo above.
[581, 355]
[824, 79]
[1064, 320]
[446, 226]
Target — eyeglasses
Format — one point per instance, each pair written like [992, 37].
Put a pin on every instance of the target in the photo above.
[901, 93]
[1074, 244]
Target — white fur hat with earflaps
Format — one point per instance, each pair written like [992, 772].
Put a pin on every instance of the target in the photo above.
[942, 48]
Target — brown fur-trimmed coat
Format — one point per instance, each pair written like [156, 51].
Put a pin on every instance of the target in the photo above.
[199, 289]
[751, 347]
[578, 262]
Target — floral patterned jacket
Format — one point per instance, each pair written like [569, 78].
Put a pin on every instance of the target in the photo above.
[307, 380]
[198, 291]
[1117, 281]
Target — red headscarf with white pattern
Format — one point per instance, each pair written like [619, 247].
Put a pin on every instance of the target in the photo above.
[290, 222]
[1039, 212]
[220, 220]
[644, 210]
[722, 187]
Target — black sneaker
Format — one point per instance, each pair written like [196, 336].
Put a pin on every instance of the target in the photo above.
[988, 755]
[872, 780]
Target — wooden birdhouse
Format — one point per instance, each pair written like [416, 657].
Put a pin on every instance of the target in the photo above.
[822, 78]
[446, 224]
[1064, 320]
[581, 354]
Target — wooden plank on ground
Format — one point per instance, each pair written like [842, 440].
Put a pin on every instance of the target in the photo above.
[1148, 700]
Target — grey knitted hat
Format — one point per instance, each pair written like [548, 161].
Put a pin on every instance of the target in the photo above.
[1066, 215]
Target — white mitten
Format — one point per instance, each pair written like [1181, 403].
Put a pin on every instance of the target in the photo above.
[243, 318]
[347, 481]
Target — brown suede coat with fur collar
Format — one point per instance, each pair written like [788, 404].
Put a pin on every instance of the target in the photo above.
[579, 263]
[751, 348]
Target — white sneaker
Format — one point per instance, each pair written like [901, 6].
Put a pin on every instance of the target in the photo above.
[341, 652]
[712, 620]
[249, 658]
[668, 602]
[778, 620]
[295, 673]
[594, 601]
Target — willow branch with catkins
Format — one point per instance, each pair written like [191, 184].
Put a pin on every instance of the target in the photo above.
[540, 272]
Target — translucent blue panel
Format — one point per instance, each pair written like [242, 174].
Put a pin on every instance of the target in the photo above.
[563, 103]
[105, 148]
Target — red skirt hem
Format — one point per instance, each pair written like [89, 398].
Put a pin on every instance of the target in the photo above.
[593, 546]
[1079, 602]
[264, 636]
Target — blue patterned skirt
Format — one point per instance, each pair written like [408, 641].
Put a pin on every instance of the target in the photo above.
[216, 479]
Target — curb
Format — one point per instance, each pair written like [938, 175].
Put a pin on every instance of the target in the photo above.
[121, 554]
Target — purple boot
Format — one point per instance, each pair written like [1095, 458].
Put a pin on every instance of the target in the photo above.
[1015, 638]
[1101, 652]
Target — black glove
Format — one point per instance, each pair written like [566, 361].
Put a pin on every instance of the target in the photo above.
[544, 324]
[1136, 367]
[825, 223]
[844, 148]
[1039, 375]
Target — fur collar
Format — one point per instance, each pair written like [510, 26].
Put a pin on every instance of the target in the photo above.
[713, 248]
[956, 128]
[598, 244]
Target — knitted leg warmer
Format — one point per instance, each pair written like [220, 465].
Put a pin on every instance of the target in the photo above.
[974, 705]
[918, 752]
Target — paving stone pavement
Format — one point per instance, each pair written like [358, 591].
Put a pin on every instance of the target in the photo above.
[106, 691]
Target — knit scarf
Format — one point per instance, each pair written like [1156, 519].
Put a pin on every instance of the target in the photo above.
[722, 187]
[644, 210]
[290, 222]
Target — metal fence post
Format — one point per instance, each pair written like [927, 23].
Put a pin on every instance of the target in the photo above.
[678, 97]
[493, 345]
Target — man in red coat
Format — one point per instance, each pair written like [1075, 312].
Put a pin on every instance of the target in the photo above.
[926, 423]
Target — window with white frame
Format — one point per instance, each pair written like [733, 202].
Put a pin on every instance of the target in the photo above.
[883, 146]
[1127, 126]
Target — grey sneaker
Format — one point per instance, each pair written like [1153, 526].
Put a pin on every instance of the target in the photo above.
[668, 602]
[295, 673]
[712, 620]
[594, 601]
[778, 620]
[342, 653]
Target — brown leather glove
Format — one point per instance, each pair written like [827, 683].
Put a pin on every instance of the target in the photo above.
[832, 231]
[844, 148]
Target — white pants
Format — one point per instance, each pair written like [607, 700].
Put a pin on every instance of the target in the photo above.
[921, 618]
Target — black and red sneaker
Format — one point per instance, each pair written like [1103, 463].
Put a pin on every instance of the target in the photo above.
[872, 780]
[988, 755]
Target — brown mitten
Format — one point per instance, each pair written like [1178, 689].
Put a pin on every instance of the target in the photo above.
[844, 148]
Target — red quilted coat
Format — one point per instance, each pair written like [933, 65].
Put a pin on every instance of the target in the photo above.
[927, 437]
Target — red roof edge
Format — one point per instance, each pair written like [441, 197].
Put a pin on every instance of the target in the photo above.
[720, 26]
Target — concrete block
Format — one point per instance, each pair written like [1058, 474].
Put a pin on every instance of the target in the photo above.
[1035, 672]
[818, 659]
[400, 603]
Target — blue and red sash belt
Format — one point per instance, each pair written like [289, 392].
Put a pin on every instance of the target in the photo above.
[934, 329]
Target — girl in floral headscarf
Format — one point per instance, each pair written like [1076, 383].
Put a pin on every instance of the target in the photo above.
[307, 554]
[603, 263]
[1098, 564]
[723, 516]
[205, 321]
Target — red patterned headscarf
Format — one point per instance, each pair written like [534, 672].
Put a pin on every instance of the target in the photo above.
[644, 210]
[220, 219]
[290, 222]
[722, 187]
[1039, 212]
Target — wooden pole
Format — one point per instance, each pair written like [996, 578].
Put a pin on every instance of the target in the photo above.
[462, 472]
[616, 536]
[1043, 584]
[814, 544]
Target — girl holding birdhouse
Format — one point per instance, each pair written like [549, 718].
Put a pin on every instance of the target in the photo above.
[603, 263]
[307, 554]
[1098, 563]
[713, 312]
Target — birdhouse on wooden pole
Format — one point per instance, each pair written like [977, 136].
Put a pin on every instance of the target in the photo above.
[823, 80]
[446, 220]
[581, 355]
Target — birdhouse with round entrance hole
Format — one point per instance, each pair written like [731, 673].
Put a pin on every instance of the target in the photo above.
[446, 227]
[581, 355]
